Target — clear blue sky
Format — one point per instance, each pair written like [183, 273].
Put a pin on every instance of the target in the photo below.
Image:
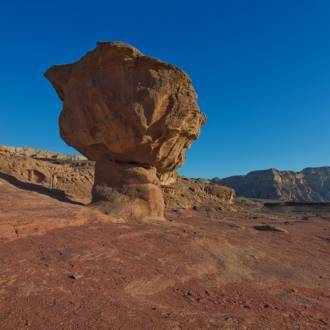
[261, 69]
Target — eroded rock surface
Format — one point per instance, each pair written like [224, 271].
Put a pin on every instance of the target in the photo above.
[71, 177]
[38, 154]
[66, 175]
[131, 114]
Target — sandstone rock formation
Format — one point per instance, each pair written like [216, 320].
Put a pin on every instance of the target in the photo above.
[135, 116]
[65, 175]
[197, 194]
[37, 153]
[309, 185]
[70, 177]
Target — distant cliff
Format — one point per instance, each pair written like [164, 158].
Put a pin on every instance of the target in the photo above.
[38, 153]
[310, 185]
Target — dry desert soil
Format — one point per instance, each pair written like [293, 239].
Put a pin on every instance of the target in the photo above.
[64, 265]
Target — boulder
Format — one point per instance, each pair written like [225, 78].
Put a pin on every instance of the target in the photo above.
[135, 116]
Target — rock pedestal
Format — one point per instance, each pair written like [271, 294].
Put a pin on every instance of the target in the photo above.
[135, 116]
[128, 190]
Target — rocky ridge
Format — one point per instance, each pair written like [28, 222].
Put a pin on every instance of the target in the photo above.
[309, 185]
[38, 153]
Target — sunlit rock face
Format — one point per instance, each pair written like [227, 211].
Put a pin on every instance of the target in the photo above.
[135, 116]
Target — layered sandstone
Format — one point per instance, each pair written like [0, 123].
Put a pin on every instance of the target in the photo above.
[135, 116]
[65, 176]
[38, 153]
[309, 185]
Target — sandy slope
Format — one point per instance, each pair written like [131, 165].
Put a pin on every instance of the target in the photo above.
[65, 266]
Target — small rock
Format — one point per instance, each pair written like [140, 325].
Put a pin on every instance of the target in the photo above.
[270, 228]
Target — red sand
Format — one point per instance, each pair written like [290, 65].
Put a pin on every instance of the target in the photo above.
[65, 266]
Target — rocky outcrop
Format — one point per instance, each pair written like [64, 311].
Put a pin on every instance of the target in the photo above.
[38, 153]
[309, 185]
[69, 177]
[65, 174]
[197, 194]
[135, 116]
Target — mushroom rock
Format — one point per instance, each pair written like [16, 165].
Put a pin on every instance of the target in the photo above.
[135, 116]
